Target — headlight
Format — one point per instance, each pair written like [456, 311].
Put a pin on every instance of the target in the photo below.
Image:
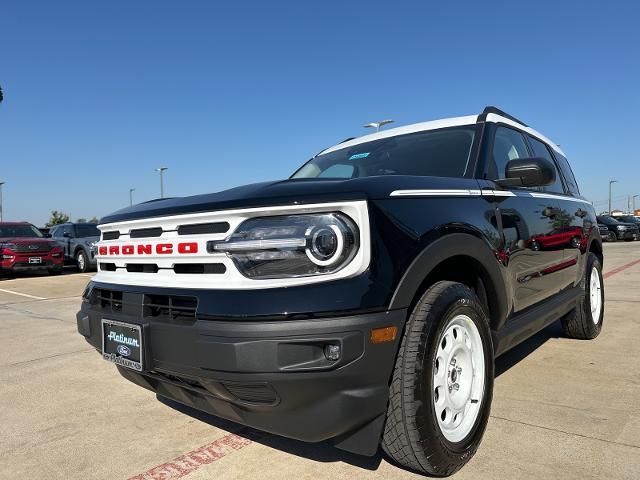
[292, 245]
[90, 243]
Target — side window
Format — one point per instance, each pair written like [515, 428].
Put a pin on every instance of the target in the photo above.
[541, 150]
[567, 173]
[66, 229]
[53, 232]
[508, 144]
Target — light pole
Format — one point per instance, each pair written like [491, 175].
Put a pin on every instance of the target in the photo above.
[377, 125]
[161, 170]
[1, 184]
[610, 182]
[131, 190]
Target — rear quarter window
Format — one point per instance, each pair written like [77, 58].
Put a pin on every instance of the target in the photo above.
[567, 173]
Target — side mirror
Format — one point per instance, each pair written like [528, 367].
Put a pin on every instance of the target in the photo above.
[46, 235]
[66, 235]
[528, 172]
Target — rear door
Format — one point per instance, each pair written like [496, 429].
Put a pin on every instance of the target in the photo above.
[531, 249]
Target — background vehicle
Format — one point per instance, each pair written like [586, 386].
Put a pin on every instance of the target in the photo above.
[77, 240]
[629, 219]
[621, 230]
[365, 298]
[24, 249]
[606, 234]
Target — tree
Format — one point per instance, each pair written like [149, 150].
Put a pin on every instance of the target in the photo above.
[94, 220]
[81, 220]
[57, 218]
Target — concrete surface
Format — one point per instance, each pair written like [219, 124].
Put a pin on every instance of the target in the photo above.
[561, 408]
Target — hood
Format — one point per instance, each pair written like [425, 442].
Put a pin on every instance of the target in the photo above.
[286, 192]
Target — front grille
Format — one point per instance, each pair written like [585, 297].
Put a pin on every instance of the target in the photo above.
[251, 393]
[173, 307]
[110, 300]
[33, 248]
[142, 267]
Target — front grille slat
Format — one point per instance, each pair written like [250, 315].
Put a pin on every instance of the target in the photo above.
[204, 228]
[146, 232]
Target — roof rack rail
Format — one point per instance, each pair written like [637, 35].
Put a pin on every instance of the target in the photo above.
[490, 109]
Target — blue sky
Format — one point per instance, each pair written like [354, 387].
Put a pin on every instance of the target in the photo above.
[98, 94]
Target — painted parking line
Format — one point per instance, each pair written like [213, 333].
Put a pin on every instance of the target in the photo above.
[22, 294]
[193, 460]
[621, 268]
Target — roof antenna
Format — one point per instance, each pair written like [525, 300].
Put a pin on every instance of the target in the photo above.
[377, 125]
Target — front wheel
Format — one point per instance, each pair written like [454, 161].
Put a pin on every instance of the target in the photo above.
[442, 384]
[612, 237]
[82, 262]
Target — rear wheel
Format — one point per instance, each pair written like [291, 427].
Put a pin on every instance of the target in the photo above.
[442, 385]
[585, 322]
[611, 237]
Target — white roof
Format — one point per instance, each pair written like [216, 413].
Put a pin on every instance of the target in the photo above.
[435, 124]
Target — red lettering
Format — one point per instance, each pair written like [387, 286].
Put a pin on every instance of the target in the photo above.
[127, 250]
[191, 247]
[102, 250]
[144, 249]
[114, 250]
[164, 248]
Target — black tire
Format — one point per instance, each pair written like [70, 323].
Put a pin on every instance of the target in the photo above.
[82, 264]
[580, 323]
[412, 435]
[611, 237]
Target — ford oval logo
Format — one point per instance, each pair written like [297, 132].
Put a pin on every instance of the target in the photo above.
[124, 350]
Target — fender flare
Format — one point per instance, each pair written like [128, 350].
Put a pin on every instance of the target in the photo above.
[448, 246]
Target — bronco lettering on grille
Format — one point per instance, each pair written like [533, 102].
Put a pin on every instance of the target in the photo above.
[150, 249]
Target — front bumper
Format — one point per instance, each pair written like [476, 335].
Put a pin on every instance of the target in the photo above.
[270, 375]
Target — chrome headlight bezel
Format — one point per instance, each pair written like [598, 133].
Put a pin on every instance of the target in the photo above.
[291, 246]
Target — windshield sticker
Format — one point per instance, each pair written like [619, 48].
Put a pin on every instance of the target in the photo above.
[359, 155]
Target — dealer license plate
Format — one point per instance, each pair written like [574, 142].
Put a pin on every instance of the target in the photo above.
[122, 343]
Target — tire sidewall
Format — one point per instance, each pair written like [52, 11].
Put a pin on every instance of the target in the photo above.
[593, 261]
[456, 300]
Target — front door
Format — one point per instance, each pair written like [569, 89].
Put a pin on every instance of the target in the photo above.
[533, 249]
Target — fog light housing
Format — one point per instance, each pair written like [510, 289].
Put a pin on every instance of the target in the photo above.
[332, 352]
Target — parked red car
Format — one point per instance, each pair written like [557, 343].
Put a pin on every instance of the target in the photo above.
[24, 248]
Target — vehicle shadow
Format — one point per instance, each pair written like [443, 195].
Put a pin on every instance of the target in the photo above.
[518, 353]
[320, 452]
[325, 451]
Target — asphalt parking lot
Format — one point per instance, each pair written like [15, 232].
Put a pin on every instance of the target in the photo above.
[561, 407]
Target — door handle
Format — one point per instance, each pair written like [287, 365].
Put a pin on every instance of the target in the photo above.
[551, 211]
[581, 213]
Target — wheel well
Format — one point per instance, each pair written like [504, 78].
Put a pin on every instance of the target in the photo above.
[468, 271]
[596, 248]
[78, 249]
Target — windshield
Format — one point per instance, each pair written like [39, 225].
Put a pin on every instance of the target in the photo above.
[439, 153]
[83, 231]
[27, 231]
[608, 220]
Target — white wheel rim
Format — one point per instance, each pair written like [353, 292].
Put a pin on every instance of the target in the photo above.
[595, 295]
[458, 378]
[81, 261]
